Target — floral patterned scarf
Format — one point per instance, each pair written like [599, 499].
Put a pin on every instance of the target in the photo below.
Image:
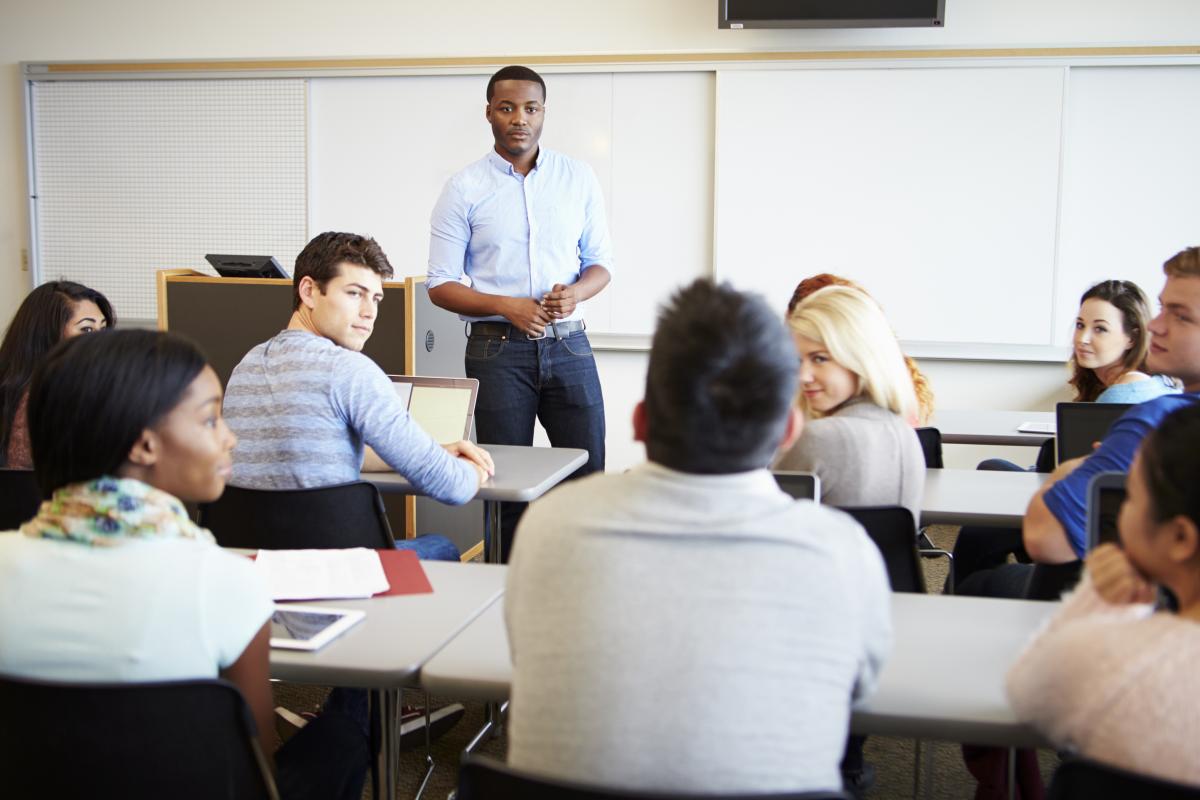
[107, 511]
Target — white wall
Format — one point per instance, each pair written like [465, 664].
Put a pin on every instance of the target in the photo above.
[52, 30]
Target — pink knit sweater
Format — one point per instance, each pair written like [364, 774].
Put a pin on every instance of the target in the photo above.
[1117, 684]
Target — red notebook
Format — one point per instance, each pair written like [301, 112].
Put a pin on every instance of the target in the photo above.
[404, 573]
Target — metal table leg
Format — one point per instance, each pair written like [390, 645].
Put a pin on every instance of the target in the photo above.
[492, 552]
[385, 723]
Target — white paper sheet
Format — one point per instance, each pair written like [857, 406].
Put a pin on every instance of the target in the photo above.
[322, 574]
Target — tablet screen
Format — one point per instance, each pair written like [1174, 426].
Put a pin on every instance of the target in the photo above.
[300, 626]
[1110, 500]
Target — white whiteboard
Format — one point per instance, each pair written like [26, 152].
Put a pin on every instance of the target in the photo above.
[936, 188]
[1131, 178]
[382, 148]
[131, 177]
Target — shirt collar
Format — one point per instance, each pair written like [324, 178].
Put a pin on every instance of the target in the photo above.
[504, 165]
[755, 480]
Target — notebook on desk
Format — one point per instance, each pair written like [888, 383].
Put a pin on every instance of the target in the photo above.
[444, 407]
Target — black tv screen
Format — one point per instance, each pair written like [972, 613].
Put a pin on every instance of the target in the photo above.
[831, 13]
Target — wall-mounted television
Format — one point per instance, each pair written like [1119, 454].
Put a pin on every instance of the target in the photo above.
[737, 14]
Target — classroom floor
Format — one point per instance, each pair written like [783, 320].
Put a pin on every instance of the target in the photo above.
[893, 758]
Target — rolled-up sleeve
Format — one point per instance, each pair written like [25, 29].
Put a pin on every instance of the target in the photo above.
[449, 234]
[595, 244]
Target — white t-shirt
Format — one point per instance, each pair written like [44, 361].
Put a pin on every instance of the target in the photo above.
[146, 610]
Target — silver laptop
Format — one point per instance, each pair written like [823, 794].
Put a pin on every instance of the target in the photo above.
[444, 407]
[1081, 425]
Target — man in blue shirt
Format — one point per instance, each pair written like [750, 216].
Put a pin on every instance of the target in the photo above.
[519, 240]
[1055, 526]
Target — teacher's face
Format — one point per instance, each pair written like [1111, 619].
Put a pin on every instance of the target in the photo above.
[516, 113]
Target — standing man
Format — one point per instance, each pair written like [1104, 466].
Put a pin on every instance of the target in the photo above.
[519, 241]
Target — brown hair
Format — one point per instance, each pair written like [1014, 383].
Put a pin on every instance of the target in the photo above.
[1184, 264]
[1131, 301]
[921, 386]
[321, 259]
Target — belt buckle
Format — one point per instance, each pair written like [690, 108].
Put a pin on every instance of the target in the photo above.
[536, 338]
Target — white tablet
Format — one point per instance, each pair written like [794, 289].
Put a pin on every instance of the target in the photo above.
[1036, 427]
[310, 627]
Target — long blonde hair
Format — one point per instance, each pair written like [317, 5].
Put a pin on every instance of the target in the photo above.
[852, 328]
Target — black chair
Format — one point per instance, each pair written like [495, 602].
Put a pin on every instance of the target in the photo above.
[187, 740]
[931, 446]
[1047, 458]
[1081, 779]
[895, 534]
[345, 515]
[1049, 581]
[19, 497]
[481, 778]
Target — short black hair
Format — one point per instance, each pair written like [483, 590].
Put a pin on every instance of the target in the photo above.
[721, 381]
[92, 397]
[321, 259]
[1171, 463]
[37, 326]
[515, 73]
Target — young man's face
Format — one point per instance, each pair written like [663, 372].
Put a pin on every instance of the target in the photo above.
[1175, 332]
[516, 113]
[345, 312]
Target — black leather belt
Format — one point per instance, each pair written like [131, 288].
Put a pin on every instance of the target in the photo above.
[502, 330]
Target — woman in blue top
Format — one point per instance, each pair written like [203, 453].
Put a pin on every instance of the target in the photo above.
[1107, 362]
[1110, 346]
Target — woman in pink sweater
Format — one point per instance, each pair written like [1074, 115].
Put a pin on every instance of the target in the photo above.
[1110, 677]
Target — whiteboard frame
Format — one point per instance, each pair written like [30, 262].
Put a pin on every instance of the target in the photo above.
[866, 58]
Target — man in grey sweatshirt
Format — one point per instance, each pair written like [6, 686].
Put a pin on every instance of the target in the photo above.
[686, 626]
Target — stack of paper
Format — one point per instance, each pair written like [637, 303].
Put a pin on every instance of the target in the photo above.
[321, 574]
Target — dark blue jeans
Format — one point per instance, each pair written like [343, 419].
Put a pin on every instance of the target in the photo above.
[551, 380]
[329, 757]
[430, 547]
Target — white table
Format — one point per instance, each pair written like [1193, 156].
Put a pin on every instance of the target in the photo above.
[386, 650]
[991, 427]
[945, 677]
[978, 497]
[523, 474]
[944, 680]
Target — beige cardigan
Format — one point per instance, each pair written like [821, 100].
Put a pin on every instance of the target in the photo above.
[1118, 684]
[865, 456]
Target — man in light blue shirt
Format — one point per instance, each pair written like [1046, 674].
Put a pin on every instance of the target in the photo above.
[519, 240]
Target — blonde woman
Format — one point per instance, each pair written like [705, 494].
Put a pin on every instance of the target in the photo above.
[921, 385]
[856, 392]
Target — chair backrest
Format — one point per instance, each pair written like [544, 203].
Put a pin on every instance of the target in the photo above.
[19, 497]
[931, 446]
[481, 778]
[1049, 581]
[895, 534]
[800, 485]
[183, 740]
[1080, 779]
[1047, 458]
[345, 515]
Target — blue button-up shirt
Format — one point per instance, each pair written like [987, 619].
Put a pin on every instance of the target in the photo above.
[500, 232]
